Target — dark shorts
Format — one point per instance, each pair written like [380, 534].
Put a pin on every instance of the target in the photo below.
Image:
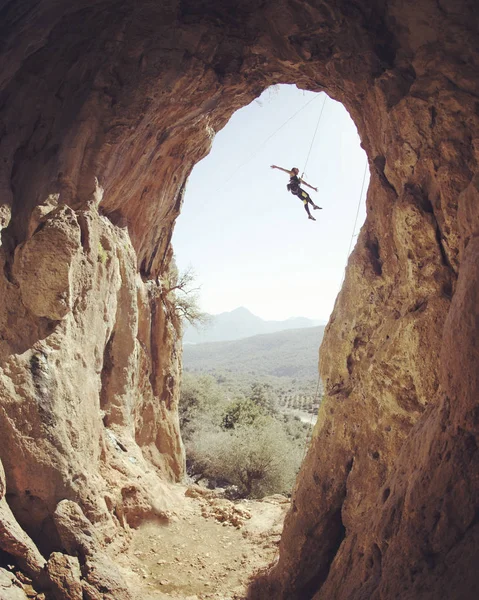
[304, 196]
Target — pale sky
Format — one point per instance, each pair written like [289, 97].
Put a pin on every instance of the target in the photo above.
[247, 238]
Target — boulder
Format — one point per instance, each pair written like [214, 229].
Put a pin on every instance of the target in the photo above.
[10, 587]
[64, 574]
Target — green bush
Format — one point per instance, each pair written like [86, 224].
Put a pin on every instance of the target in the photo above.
[242, 412]
[201, 400]
[260, 460]
[235, 433]
[262, 395]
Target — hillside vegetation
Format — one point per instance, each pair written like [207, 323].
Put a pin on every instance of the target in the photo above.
[241, 441]
[247, 408]
[292, 354]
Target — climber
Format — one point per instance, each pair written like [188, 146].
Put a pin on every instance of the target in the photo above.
[294, 187]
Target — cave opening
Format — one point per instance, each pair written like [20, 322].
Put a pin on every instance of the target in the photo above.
[249, 240]
[113, 113]
[263, 267]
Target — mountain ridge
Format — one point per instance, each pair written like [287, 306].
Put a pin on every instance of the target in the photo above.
[241, 323]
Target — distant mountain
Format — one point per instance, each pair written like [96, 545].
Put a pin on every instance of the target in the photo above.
[241, 323]
[292, 353]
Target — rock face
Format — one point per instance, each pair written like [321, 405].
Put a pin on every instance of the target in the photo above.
[104, 109]
[78, 373]
[88, 402]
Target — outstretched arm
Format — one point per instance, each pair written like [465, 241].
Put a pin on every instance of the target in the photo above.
[310, 186]
[280, 169]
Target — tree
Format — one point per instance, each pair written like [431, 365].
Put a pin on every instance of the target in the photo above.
[242, 412]
[201, 404]
[262, 395]
[260, 460]
[178, 288]
[230, 436]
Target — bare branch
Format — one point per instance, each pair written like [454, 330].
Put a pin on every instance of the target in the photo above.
[184, 297]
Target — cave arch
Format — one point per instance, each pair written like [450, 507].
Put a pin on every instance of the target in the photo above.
[235, 204]
[114, 101]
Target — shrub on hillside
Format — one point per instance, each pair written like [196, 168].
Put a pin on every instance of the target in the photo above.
[242, 441]
[258, 460]
[202, 401]
[242, 412]
[262, 395]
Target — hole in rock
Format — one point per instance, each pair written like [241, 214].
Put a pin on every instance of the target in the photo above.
[7, 561]
[269, 277]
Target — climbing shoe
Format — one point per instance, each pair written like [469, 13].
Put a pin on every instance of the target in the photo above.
[312, 218]
[316, 207]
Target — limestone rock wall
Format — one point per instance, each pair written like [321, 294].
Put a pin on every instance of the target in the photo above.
[88, 410]
[104, 109]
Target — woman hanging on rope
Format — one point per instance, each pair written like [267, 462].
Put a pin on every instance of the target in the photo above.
[294, 187]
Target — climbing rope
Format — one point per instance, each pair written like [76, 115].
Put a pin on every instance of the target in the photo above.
[314, 135]
[359, 205]
[309, 433]
[307, 440]
[355, 224]
[260, 147]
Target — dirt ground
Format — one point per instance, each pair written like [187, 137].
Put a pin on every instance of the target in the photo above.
[208, 550]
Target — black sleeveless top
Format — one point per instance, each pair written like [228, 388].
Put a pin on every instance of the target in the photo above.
[294, 183]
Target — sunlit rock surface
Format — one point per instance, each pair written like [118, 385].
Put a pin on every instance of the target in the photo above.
[104, 109]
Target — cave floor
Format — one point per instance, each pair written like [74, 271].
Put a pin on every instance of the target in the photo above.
[209, 550]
